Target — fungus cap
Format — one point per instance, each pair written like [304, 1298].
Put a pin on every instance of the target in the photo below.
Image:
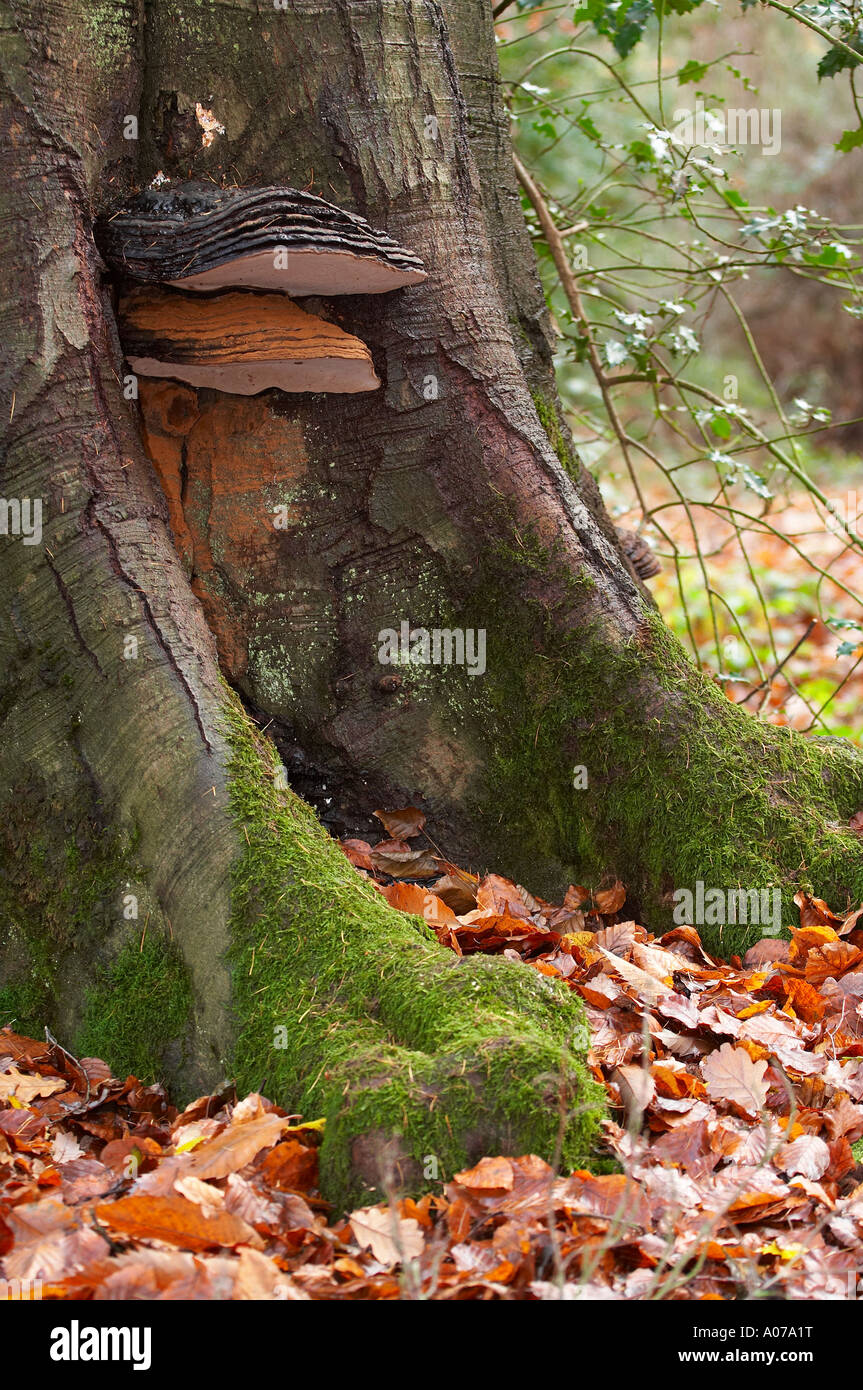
[240, 343]
[200, 237]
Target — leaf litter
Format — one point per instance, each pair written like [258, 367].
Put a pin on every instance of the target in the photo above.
[735, 1096]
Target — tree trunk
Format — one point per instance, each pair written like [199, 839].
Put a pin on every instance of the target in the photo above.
[165, 902]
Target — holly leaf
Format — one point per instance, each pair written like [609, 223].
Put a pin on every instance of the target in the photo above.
[692, 71]
[838, 59]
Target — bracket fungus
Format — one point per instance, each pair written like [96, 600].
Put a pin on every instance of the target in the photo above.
[200, 237]
[197, 237]
[240, 343]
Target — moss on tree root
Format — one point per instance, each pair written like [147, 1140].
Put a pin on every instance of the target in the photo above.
[138, 1009]
[682, 785]
[68, 957]
[421, 1062]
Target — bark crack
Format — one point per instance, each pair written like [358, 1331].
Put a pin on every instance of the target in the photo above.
[114, 552]
[70, 609]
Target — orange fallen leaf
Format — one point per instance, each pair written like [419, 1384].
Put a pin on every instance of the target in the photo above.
[491, 1175]
[235, 1147]
[610, 900]
[807, 1003]
[177, 1221]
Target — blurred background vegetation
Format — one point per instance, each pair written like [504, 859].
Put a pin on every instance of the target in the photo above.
[706, 293]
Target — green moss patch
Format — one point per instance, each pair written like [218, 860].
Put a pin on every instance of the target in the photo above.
[24, 1006]
[551, 424]
[138, 1009]
[59, 895]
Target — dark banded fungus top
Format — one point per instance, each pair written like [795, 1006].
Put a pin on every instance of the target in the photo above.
[200, 237]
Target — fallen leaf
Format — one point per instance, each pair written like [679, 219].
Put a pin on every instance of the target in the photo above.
[768, 949]
[402, 825]
[405, 863]
[177, 1221]
[27, 1088]
[492, 1175]
[235, 1147]
[809, 1156]
[731, 1075]
[610, 900]
[393, 1239]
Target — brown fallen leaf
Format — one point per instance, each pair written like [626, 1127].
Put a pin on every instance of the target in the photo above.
[502, 896]
[405, 863]
[809, 1156]
[814, 912]
[259, 1277]
[637, 1089]
[291, 1166]
[766, 951]
[646, 985]
[425, 903]
[359, 852]
[457, 891]
[402, 825]
[393, 1239]
[731, 1075]
[490, 1175]
[49, 1241]
[610, 900]
[575, 896]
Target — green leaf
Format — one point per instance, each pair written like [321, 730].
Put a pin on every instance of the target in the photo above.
[622, 21]
[587, 127]
[838, 59]
[691, 72]
[850, 140]
[642, 151]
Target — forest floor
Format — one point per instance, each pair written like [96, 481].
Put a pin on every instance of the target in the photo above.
[735, 1094]
[784, 595]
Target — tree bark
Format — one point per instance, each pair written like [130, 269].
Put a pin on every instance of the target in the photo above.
[148, 849]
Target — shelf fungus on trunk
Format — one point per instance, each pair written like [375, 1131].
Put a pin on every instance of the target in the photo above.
[639, 554]
[200, 237]
[240, 343]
